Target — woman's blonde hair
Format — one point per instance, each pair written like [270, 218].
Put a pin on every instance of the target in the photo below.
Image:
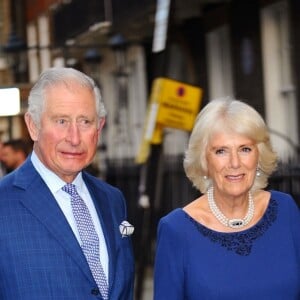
[228, 115]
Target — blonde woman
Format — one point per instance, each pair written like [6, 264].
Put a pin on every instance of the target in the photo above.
[237, 240]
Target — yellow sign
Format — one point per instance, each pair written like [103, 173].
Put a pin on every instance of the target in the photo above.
[172, 104]
[178, 103]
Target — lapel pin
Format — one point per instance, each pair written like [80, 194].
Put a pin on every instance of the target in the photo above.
[126, 229]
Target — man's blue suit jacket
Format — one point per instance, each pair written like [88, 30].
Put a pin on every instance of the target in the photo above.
[40, 258]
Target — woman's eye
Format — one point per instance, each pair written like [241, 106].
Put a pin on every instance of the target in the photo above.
[246, 149]
[220, 151]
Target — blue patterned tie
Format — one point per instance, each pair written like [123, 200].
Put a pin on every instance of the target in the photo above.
[89, 237]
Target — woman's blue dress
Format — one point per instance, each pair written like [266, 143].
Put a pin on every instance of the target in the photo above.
[260, 263]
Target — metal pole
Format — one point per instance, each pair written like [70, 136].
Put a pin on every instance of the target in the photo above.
[151, 179]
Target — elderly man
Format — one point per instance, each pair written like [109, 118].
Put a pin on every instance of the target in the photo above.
[64, 233]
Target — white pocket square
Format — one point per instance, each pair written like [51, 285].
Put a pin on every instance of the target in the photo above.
[126, 229]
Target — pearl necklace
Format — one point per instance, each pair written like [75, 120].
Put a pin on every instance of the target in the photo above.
[233, 223]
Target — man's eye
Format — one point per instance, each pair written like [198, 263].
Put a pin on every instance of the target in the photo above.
[84, 122]
[61, 121]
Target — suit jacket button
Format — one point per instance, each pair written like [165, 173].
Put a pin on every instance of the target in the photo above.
[95, 291]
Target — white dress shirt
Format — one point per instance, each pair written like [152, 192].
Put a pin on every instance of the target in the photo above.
[55, 185]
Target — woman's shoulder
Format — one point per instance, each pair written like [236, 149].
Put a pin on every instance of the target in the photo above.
[173, 216]
[174, 221]
[284, 200]
[281, 196]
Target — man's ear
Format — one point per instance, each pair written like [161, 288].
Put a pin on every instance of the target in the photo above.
[101, 125]
[31, 126]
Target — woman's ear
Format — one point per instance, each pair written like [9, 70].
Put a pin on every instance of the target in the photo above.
[31, 126]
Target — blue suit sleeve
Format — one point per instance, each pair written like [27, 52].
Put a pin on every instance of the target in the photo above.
[169, 267]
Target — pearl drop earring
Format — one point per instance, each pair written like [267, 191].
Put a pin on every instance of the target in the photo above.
[258, 173]
[205, 177]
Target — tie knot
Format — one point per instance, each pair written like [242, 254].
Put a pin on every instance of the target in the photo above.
[70, 189]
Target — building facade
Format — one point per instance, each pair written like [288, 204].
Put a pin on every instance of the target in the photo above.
[247, 49]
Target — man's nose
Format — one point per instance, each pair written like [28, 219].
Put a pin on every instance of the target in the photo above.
[73, 135]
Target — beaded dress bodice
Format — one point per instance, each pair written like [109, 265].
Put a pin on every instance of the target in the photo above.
[240, 242]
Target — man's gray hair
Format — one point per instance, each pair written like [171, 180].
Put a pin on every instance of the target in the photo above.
[57, 76]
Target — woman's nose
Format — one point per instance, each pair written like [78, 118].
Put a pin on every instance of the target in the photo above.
[234, 160]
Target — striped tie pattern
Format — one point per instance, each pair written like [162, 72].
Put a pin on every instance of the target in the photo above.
[89, 237]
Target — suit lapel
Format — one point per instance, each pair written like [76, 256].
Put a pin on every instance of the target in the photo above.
[45, 208]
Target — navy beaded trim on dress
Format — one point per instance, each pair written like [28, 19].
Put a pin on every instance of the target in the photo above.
[241, 242]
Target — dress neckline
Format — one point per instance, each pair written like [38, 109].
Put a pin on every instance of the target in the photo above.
[232, 232]
[240, 241]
